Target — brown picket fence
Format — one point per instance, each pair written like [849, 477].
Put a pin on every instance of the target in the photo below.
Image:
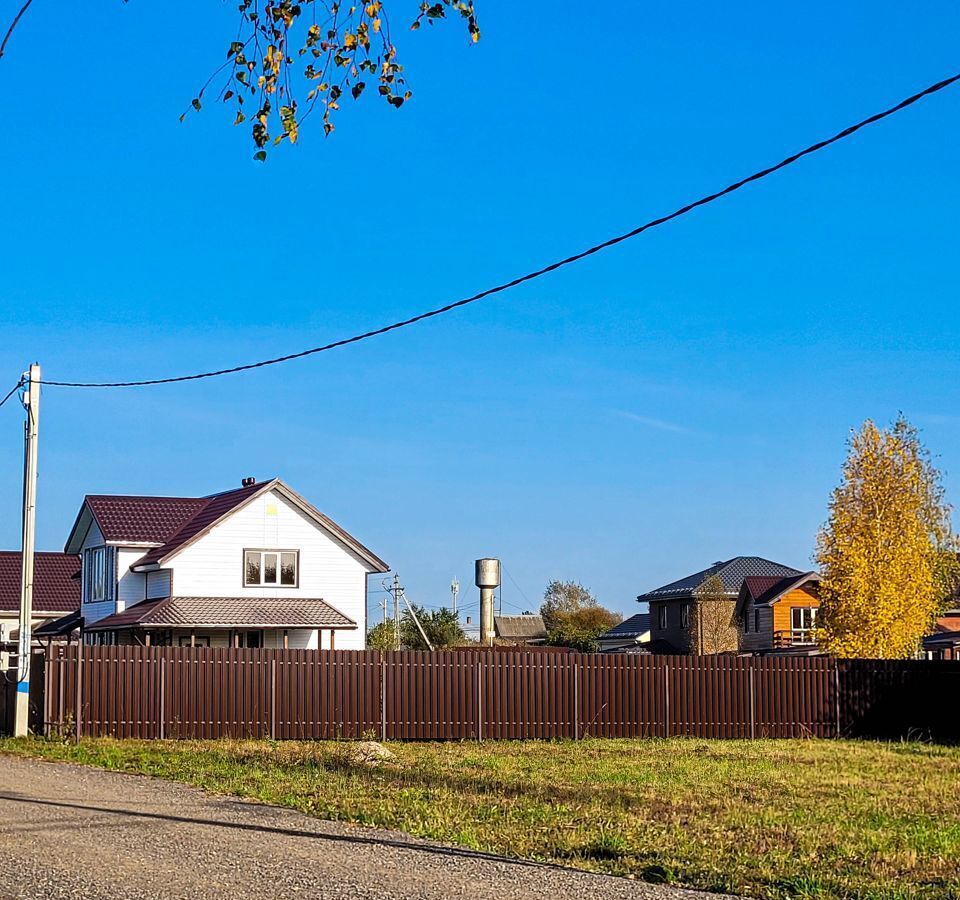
[164, 692]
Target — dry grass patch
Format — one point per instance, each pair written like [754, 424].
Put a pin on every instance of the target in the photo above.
[832, 819]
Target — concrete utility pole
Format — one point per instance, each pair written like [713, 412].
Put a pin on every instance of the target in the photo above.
[31, 403]
[455, 592]
[396, 611]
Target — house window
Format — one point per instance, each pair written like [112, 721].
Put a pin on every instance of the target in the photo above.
[802, 622]
[198, 640]
[756, 620]
[662, 616]
[270, 568]
[95, 574]
[685, 615]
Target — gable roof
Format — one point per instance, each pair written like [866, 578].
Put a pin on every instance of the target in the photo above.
[226, 612]
[56, 582]
[172, 523]
[520, 628]
[628, 628]
[731, 573]
[765, 590]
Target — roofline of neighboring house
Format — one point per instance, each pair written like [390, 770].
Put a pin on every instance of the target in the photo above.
[377, 564]
[686, 595]
[86, 508]
[242, 626]
[37, 613]
[86, 515]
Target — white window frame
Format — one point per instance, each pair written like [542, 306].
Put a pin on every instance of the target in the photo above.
[685, 615]
[96, 579]
[264, 551]
[800, 634]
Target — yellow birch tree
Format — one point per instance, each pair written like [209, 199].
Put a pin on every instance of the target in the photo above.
[886, 552]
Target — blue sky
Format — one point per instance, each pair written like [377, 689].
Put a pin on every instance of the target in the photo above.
[677, 400]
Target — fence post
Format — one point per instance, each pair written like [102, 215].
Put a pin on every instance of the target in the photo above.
[79, 709]
[273, 698]
[753, 713]
[163, 699]
[60, 664]
[383, 697]
[479, 697]
[666, 698]
[576, 701]
[836, 691]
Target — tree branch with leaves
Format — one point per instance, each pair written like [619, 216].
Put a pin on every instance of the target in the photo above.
[291, 58]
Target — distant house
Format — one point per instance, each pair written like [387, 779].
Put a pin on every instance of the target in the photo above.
[56, 592]
[778, 614]
[674, 607]
[628, 634]
[944, 641]
[257, 566]
[525, 629]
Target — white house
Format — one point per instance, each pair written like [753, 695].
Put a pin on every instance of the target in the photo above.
[258, 566]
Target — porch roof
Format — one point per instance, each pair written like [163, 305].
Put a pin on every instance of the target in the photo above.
[226, 612]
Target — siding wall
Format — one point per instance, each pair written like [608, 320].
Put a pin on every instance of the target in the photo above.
[130, 585]
[213, 566]
[93, 612]
[158, 584]
[753, 641]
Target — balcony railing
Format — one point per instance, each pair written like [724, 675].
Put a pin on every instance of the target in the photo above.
[793, 638]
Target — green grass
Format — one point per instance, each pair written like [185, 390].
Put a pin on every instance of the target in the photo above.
[818, 819]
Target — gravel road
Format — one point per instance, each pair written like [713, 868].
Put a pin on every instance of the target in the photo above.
[70, 831]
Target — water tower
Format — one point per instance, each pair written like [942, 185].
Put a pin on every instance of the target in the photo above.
[488, 580]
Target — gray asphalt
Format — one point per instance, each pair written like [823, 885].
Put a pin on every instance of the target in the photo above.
[69, 831]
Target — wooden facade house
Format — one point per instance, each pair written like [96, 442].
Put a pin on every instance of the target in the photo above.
[778, 615]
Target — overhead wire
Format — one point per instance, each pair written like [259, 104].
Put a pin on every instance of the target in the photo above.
[537, 273]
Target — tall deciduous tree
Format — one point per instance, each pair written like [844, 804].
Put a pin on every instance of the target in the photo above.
[712, 624]
[573, 617]
[886, 552]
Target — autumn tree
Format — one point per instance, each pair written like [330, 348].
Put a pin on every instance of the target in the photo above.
[886, 554]
[441, 626]
[712, 625]
[291, 59]
[573, 617]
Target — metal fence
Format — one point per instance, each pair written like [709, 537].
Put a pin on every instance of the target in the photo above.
[163, 692]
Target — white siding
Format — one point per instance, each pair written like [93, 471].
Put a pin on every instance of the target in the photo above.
[158, 584]
[130, 585]
[213, 566]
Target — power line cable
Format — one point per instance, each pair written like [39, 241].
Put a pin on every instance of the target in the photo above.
[596, 248]
[12, 391]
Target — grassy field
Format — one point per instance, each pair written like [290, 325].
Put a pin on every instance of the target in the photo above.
[765, 818]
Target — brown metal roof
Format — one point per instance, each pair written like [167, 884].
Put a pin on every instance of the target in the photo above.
[142, 519]
[212, 509]
[226, 612]
[174, 522]
[764, 590]
[56, 581]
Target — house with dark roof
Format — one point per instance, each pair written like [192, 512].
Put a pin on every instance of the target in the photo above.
[56, 592]
[683, 617]
[630, 634]
[778, 614]
[258, 566]
[944, 641]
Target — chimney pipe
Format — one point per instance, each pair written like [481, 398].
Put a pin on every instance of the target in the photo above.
[249, 481]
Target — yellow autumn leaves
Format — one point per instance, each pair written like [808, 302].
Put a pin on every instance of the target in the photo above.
[886, 553]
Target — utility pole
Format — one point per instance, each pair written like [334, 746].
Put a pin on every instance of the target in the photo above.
[455, 592]
[31, 403]
[396, 611]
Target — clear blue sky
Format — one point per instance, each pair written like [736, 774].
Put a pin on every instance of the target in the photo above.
[680, 399]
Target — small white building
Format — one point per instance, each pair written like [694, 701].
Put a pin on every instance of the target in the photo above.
[258, 566]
